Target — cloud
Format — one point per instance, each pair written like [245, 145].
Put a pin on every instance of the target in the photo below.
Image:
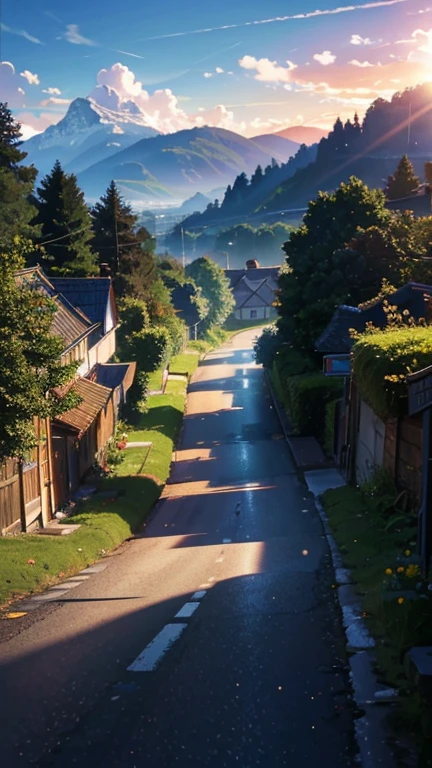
[21, 33]
[219, 70]
[279, 19]
[30, 77]
[363, 64]
[10, 85]
[118, 88]
[268, 71]
[32, 124]
[52, 91]
[425, 40]
[126, 53]
[325, 58]
[54, 100]
[208, 74]
[73, 35]
[359, 40]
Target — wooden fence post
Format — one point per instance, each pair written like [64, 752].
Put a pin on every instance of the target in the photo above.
[22, 496]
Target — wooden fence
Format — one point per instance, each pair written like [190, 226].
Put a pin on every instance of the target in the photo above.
[10, 494]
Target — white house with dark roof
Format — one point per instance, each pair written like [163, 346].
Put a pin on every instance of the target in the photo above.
[254, 290]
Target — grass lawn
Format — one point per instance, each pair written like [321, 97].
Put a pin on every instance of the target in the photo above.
[370, 544]
[106, 523]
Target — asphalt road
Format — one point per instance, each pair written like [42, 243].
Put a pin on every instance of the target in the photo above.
[212, 638]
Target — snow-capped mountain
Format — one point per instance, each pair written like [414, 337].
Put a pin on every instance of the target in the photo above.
[88, 132]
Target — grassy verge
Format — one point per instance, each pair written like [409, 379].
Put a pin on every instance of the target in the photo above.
[29, 563]
[373, 544]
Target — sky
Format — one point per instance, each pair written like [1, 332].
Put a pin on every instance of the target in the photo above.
[250, 67]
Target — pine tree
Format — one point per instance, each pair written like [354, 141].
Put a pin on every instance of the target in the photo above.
[257, 177]
[16, 181]
[126, 248]
[65, 225]
[403, 182]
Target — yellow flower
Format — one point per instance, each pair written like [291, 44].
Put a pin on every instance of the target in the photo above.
[388, 571]
[412, 571]
[407, 552]
[401, 600]
[400, 569]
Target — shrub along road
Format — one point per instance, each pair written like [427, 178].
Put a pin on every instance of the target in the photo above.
[211, 639]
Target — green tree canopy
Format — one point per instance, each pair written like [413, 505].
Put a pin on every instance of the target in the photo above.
[403, 182]
[215, 288]
[186, 297]
[321, 271]
[65, 225]
[16, 182]
[126, 248]
[30, 357]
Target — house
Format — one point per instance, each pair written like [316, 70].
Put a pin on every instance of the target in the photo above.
[30, 492]
[254, 290]
[363, 441]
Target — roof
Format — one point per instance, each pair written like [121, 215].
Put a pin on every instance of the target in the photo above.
[336, 339]
[94, 397]
[90, 294]
[113, 375]
[255, 293]
[235, 275]
[69, 322]
[419, 203]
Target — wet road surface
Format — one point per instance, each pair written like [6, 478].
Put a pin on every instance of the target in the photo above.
[213, 638]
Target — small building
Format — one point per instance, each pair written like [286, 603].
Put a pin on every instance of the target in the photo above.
[254, 290]
[362, 440]
[419, 203]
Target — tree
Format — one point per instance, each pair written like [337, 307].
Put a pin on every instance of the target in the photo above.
[186, 297]
[126, 248]
[30, 367]
[16, 182]
[403, 182]
[320, 270]
[215, 288]
[257, 177]
[65, 225]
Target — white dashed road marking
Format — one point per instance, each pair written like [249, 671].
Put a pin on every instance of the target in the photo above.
[148, 660]
[199, 595]
[187, 611]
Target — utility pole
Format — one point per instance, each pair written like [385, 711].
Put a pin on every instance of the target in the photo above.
[183, 250]
[117, 244]
[409, 124]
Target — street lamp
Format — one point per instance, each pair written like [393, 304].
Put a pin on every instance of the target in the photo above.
[227, 257]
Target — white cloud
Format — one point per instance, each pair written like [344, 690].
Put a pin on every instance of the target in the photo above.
[54, 100]
[425, 40]
[10, 85]
[21, 33]
[362, 64]
[52, 91]
[73, 35]
[161, 109]
[325, 58]
[359, 40]
[278, 19]
[268, 71]
[31, 78]
[208, 74]
[219, 70]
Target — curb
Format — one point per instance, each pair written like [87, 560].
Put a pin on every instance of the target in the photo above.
[370, 697]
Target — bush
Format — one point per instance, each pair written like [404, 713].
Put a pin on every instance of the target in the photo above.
[330, 413]
[292, 363]
[267, 345]
[306, 398]
[381, 362]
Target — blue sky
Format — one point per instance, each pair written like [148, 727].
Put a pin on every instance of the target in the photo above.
[259, 67]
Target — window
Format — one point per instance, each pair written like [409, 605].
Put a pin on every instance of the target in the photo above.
[253, 314]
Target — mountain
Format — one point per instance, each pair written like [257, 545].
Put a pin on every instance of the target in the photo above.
[279, 147]
[178, 164]
[370, 150]
[303, 134]
[198, 202]
[87, 132]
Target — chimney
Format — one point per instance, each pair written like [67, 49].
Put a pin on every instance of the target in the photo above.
[104, 270]
[252, 264]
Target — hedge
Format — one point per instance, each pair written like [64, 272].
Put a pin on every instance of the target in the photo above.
[306, 399]
[381, 361]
